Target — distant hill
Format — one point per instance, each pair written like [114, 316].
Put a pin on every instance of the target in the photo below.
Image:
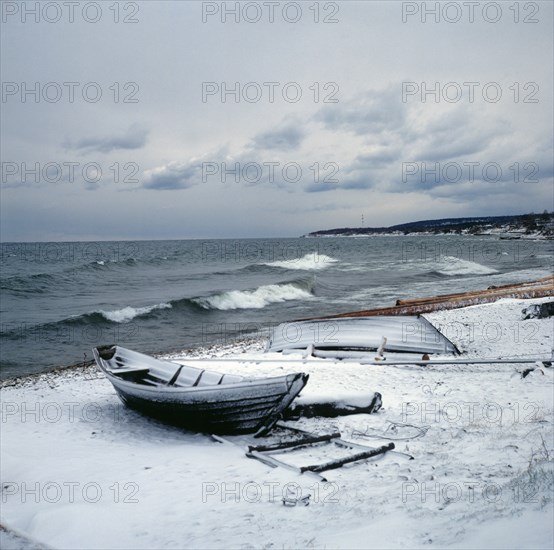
[524, 225]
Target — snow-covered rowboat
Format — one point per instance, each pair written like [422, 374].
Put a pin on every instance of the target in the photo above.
[361, 334]
[195, 398]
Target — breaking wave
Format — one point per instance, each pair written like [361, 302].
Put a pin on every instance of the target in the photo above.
[450, 265]
[255, 299]
[127, 313]
[309, 262]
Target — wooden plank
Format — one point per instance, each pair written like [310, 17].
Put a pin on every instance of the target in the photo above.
[498, 291]
[274, 463]
[333, 464]
[519, 361]
[333, 406]
[295, 443]
[539, 283]
[533, 289]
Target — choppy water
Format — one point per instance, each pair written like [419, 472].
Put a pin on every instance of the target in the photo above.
[58, 300]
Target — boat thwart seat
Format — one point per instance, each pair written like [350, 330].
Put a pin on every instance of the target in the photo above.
[206, 378]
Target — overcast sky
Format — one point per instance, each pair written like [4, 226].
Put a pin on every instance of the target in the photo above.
[328, 122]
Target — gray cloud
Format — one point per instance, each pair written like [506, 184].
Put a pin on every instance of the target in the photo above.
[448, 140]
[174, 176]
[369, 133]
[134, 138]
[287, 138]
[377, 159]
[349, 182]
[457, 133]
[321, 187]
[373, 112]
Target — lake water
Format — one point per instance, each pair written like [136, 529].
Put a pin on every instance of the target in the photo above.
[58, 300]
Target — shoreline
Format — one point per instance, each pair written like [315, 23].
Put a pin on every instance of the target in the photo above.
[542, 288]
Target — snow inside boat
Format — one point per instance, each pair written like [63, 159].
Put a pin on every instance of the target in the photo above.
[361, 334]
[195, 398]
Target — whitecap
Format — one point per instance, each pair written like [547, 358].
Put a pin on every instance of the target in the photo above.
[450, 265]
[253, 299]
[309, 262]
[127, 313]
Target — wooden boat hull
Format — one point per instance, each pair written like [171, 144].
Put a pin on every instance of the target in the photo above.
[239, 409]
[404, 334]
[250, 405]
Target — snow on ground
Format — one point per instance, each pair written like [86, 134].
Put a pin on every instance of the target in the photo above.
[79, 470]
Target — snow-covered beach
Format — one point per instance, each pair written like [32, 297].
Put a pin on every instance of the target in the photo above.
[79, 470]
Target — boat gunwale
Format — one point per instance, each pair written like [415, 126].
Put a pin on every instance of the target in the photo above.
[247, 383]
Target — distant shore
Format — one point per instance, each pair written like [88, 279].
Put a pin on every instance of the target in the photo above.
[527, 226]
[501, 236]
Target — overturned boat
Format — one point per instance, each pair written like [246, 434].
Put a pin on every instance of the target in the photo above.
[355, 336]
[196, 398]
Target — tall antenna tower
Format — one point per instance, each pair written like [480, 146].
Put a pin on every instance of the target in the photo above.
[362, 220]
